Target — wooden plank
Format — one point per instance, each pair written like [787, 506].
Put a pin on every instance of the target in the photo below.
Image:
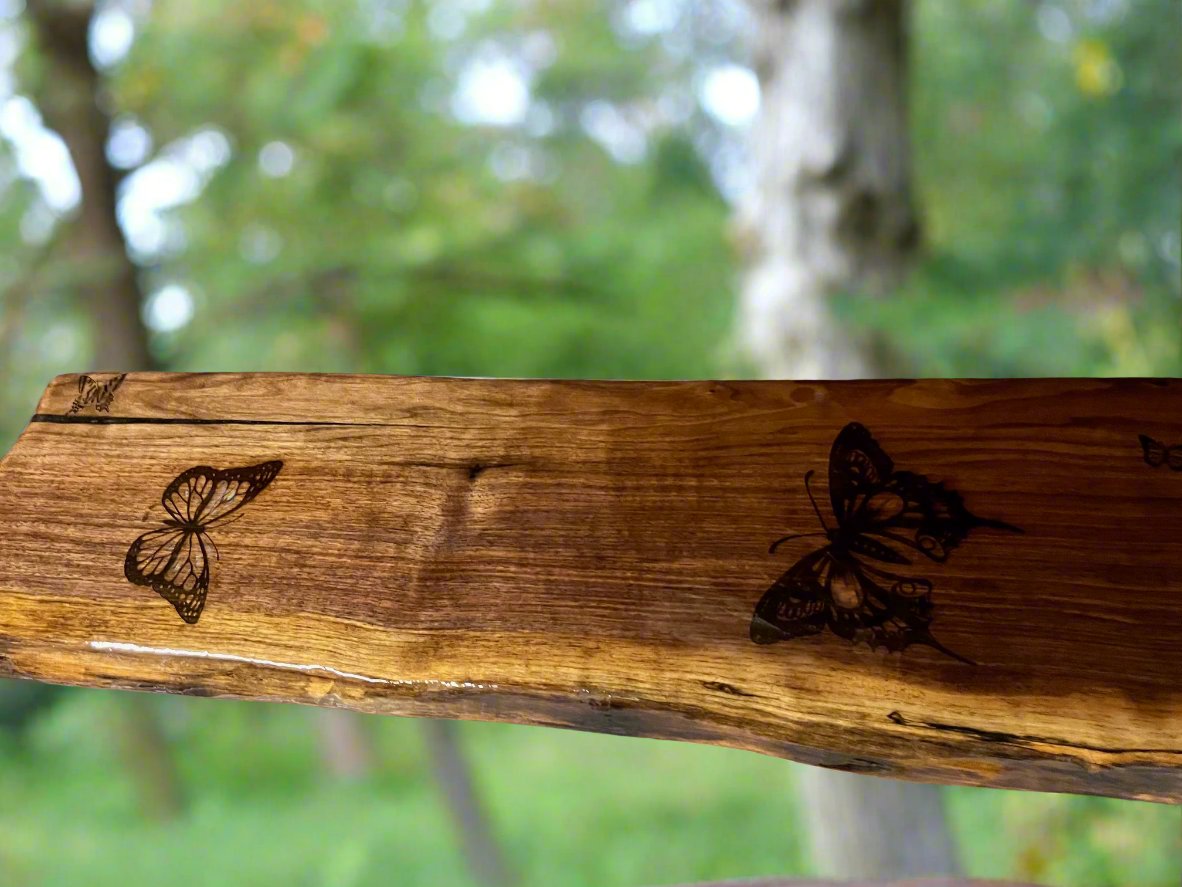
[596, 555]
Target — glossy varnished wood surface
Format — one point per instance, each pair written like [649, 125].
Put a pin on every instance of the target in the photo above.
[589, 554]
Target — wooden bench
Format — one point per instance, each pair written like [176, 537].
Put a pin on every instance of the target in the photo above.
[950, 581]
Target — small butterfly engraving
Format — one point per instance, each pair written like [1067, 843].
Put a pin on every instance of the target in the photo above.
[173, 560]
[96, 394]
[879, 514]
[1158, 454]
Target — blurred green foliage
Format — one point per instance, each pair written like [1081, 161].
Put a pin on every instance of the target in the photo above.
[1048, 152]
[335, 211]
[572, 809]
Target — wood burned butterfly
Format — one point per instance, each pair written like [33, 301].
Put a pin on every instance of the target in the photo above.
[1157, 453]
[879, 514]
[173, 560]
[98, 394]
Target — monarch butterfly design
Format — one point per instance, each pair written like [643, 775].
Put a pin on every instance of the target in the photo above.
[173, 560]
[1158, 454]
[96, 394]
[879, 514]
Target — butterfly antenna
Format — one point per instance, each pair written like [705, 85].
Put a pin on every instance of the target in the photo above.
[808, 476]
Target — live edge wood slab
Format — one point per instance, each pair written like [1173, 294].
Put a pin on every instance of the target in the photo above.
[981, 583]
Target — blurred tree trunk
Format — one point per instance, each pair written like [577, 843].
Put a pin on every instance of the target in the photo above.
[147, 756]
[345, 746]
[108, 286]
[71, 101]
[831, 212]
[454, 777]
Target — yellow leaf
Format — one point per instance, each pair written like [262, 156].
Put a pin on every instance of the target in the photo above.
[1097, 73]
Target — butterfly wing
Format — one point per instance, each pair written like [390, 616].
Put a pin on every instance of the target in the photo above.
[859, 474]
[205, 496]
[928, 517]
[1155, 452]
[796, 603]
[858, 469]
[830, 589]
[107, 393]
[173, 562]
[86, 387]
[890, 616]
[879, 508]
[908, 620]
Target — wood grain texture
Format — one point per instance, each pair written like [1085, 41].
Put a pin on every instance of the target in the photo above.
[589, 555]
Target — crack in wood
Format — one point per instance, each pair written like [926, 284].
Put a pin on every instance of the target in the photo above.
[1021, 739]
[55, 419]
[729, 689]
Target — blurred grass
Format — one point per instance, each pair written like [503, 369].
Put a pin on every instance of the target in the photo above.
[573, 809]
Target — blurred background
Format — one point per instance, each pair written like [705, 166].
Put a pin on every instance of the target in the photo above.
[571, 188]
